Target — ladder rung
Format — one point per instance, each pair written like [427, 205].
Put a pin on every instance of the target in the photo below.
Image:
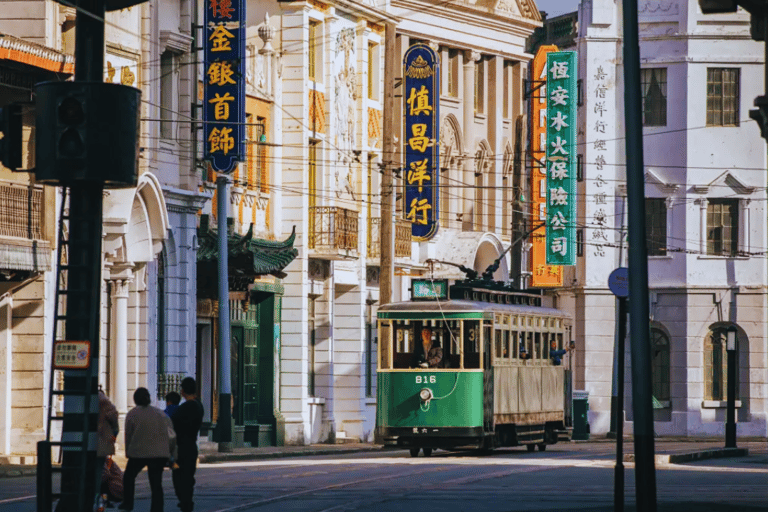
[70, 392]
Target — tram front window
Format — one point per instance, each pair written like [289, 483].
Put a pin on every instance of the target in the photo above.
[426, 344]
[471, 344]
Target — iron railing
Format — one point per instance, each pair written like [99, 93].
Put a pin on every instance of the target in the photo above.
[21, 210]
[402, 238]
[333, 229]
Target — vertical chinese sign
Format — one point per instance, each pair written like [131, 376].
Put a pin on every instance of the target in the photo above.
[224, 95]
[542, 275]
[561, 158]
[421, 74]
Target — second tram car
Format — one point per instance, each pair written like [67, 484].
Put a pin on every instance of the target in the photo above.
[472, 371]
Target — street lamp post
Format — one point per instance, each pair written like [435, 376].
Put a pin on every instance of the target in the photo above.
[730, 418]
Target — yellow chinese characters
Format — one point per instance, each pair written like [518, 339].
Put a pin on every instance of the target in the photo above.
[418, 173]
[221, 39]
[221, 140]
[418, 211]
[419, 142]
[220, 73]
[419, 101]
[221, 110]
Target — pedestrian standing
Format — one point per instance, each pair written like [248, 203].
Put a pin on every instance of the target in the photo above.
[187, 421]
[172, 401]
[149, 440]
[108, 429]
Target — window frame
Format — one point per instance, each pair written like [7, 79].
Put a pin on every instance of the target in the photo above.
[711, 240]
[480, 86]
[660, 366]
[656, 245]
[659, 111]
[716, 365]
[717, 97]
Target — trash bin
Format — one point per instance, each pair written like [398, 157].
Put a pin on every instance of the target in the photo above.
[580, 423]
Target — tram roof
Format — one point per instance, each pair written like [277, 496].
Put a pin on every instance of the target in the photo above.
[461, 308]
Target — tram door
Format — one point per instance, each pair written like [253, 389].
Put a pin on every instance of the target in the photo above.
[487, 377]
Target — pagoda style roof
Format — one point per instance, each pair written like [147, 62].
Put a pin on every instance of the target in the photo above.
[249, 258]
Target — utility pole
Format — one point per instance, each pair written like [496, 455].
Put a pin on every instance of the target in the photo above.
[645, 471]
[73, 121]
[224, 422]
[387, 183]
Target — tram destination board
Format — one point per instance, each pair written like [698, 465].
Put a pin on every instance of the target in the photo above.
[426, 289]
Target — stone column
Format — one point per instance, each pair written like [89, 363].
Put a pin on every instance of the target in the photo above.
[119, 292]
[470, 58]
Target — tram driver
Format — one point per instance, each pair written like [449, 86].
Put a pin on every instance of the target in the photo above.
[432, 355]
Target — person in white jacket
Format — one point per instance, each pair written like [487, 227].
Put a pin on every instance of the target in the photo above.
[149, 441]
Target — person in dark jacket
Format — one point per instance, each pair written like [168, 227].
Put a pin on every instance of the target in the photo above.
[148, 442]
[556, 354]
[187, 421]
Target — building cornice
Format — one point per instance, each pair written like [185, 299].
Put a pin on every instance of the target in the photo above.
[37, 55]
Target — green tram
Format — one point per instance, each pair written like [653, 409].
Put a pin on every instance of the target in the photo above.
[495, 384]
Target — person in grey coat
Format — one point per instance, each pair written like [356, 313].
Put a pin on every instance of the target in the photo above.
[108, 429]
[149, 441]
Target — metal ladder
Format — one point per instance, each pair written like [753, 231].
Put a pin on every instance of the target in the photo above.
[78, 395]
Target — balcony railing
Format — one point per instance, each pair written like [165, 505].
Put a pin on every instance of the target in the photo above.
[402, 238]
[333, 232]
[21, 210]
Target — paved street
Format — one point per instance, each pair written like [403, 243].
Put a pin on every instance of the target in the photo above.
[565, 477]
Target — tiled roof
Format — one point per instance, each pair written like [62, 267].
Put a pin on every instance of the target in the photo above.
[33, 54]
[248, 256]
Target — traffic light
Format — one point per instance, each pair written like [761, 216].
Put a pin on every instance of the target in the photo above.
[11, 143]
[86, 132]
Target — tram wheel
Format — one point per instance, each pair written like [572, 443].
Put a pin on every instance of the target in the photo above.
[530, 447]
[427, 452]
[542, 447]
[414, 452]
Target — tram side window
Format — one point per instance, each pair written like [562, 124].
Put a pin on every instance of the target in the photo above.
[471, 344]
[515, 346]
[537, 346]
[499, 345]
[404, 345]
[505, 348]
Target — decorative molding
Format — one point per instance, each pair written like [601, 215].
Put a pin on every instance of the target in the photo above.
[316, 111]
[374, 128]
[725, 179]
[652, 177]
[175, 42]
[658, 8]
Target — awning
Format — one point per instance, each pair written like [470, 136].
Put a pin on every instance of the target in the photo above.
[28, 255]
[35, 55]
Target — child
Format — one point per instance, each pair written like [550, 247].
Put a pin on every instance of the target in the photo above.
[172, 401]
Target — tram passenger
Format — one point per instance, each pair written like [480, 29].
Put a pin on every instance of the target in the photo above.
[556, 354]
[432, 355]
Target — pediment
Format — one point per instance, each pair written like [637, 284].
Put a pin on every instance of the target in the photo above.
[653, 178]
[725, 180]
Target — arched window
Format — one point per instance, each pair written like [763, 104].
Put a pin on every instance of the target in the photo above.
[716, 365]
[660, 364]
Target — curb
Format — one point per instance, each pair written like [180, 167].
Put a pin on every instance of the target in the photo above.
[17, 471]
[679, 458]
[226, 457]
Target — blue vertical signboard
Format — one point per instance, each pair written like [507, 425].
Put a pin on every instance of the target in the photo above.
[224, 97]
[561, 158]
[421, 89]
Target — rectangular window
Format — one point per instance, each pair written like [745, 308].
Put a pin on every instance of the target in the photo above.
[312, 190]
[722, 227]
[479, 86]
[311, 345]
[314, 46]
[507, 76]
[261, 169]
[723, 97]
[654, 86]
[167, 78]
[656, 226]
[373, 66]
[453, 73]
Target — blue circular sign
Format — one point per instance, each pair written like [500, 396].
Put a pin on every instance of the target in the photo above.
[618, 282]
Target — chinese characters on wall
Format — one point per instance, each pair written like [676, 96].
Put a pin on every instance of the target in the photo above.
[597, 209]
[224, 97]
[421, 88]
[542, 275]
[561, 158]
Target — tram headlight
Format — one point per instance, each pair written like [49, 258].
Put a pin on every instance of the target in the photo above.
[425, 395]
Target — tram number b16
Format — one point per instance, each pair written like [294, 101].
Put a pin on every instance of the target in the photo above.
[426, 379]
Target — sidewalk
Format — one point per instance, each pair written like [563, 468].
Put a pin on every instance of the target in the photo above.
[668, 451]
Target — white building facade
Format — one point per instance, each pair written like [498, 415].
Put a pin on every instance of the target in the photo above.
[705, 214]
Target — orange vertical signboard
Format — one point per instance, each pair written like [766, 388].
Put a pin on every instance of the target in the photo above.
[542, 275]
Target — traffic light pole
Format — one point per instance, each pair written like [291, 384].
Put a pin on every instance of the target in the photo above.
[645, 471]
[84, 283]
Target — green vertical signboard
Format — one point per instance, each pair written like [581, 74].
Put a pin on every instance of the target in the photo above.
[561, 158]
